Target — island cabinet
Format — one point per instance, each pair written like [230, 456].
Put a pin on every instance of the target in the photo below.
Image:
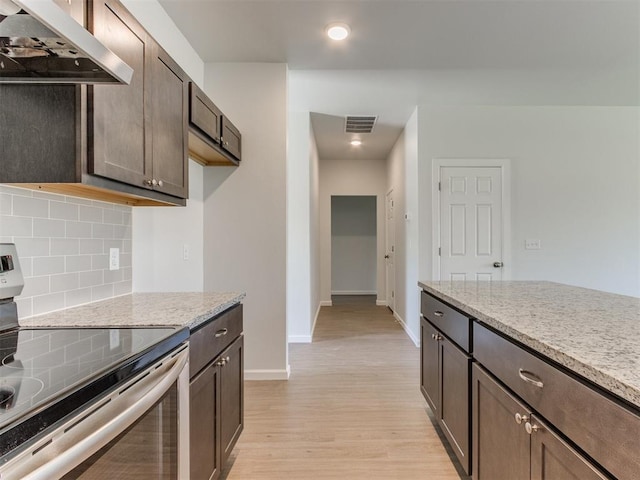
[445, 372]
[119, 143]
[533, 420]
[213, 139]
[216, 368]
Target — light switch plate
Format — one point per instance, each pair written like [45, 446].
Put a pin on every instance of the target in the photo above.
[114, 259]
[532, 244]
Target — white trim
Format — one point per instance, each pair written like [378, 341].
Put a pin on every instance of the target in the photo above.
[326, 303]
[315, 320]
[405, 327]
[505, 168]
[354, 292]
[381, 303]
[300, 339]
[268, 374]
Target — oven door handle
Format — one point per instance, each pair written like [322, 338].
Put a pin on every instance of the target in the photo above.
[77, 440]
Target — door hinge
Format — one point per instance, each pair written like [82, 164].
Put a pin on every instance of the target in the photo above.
[393, 294]
[439, 251]
[439, 186]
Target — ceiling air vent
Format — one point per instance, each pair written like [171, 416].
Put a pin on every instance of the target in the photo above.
[359, 124]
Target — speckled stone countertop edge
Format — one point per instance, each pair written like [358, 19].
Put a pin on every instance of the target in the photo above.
[605, 381]
[171, 309]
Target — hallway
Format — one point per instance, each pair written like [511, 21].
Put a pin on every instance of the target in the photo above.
[352, 408]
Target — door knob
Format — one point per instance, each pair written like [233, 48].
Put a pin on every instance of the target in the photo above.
[498, 264]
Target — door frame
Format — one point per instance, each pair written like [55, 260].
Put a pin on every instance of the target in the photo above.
[505, 168]
[390, 293]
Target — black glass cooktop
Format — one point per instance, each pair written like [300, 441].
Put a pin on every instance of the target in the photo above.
[48, 373]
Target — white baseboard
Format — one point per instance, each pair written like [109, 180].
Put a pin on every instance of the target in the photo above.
[414, 339]
[354, 292]
[299, 339]
[326, 303]
[268, 374]
[382, 303]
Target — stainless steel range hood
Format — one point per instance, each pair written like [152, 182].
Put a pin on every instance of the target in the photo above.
[40, 43]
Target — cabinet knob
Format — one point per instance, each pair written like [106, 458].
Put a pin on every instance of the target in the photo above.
[221, 362]
[227, 360]
[521, 418]
[160, 183]
[149, 183]
[531, 428]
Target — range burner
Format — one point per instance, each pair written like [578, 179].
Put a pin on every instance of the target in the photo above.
[16, 391]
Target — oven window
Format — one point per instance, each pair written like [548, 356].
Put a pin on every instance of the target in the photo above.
[147, 450]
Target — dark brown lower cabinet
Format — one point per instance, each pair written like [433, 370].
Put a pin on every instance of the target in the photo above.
[509, 442]
[445, 373]
[216, 406]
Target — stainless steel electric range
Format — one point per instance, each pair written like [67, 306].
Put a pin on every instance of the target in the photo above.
[89, 402]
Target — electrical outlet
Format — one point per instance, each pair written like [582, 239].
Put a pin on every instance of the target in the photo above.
[532, 244]
[114, 259]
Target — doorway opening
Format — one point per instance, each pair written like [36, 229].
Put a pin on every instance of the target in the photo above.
[354, 248]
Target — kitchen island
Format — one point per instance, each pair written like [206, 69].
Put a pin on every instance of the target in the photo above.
[555, 363]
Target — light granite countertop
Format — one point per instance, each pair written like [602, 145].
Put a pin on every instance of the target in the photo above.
[141, 310]
[593, 333]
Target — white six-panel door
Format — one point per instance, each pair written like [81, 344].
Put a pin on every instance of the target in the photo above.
[471, 230]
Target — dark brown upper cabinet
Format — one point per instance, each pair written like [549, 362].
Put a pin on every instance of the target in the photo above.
[118, 143]
[213, 139]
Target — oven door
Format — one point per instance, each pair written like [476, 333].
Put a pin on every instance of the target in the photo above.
[140, 431]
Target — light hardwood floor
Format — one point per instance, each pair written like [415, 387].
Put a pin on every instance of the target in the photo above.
[352, 408]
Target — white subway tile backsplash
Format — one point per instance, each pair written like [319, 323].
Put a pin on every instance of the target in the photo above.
[90, 214]
[30, 207]
[78, 263]
[64, 211]
[34, 286]
[16, 226]
[78, 230]
[91, 245]
[48, 303]
[48, 266]
[6, 203]
[43, 227]
[63, 245]
[64, 282]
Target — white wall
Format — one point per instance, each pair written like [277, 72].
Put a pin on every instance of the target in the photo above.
[315, 231]
[402, 165]
[245, 209]
[350, 177]
[353, 245]
[575, 181]
[299, 151]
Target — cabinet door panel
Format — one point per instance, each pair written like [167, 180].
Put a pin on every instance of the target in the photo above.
[169, 125]
[500, 445]
[118, 120]
[204, 428]
[231, 396]
[232, 140]
[430, 366]
[553, 459]
[454, 411]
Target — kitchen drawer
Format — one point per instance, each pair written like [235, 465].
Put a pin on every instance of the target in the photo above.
[450, 321]
[209, 340]
[604, 429]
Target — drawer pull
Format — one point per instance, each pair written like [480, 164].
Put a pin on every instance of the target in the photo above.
[221, 333]
[530, 378]
[438, 313]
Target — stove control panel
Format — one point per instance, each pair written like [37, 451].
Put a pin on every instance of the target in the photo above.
[11, 281]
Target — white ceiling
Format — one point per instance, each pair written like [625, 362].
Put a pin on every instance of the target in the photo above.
[403, 53]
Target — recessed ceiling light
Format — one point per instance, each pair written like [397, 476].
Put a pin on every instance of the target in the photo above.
[356, 143]
[338, 31]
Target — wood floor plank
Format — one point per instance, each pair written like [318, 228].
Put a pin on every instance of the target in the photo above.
[352, 408]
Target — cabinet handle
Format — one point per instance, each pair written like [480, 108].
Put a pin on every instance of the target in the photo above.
[221, 333]
[227, 360]
[521, 418]
[531, 428]
[160, 183]
[438, 313]
[221, 362]
[530, 378]
[148, 183]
